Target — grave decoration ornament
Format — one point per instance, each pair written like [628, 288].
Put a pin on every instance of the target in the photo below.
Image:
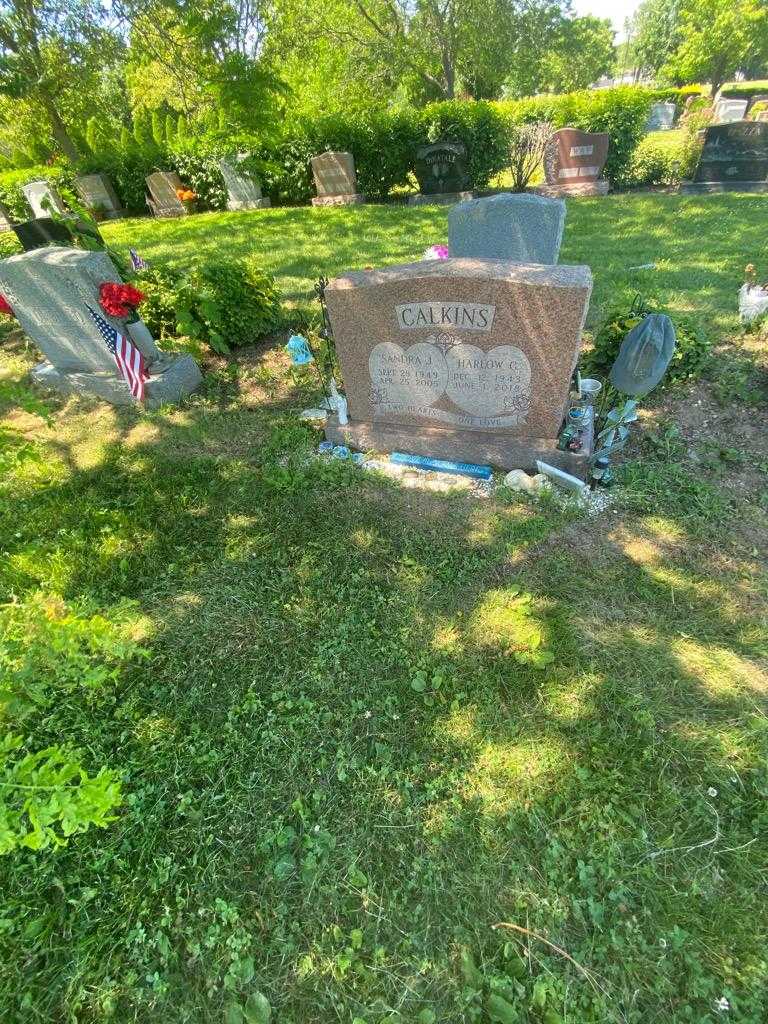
[644, 355]
[299, 350]
[5, 307]
[753, 297]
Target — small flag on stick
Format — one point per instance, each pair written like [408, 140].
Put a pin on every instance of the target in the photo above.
[137, 262]
[130, 362]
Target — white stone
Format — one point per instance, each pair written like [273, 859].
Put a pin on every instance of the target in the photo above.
[38, 192]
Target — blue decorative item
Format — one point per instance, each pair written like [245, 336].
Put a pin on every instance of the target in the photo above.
[644, 355]
[341, 452]
[325, 447]
[299, 351]
[442, 465]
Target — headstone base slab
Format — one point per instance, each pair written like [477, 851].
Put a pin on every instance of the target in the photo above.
[462, 446]
[347, 199]
[586, 188]
[257, 204]
[178, 378]
[694, 188]
[444, 199]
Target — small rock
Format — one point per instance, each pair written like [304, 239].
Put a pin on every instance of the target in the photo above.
[314, 414]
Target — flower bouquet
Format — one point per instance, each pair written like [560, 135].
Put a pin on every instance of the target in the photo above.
[188, 198]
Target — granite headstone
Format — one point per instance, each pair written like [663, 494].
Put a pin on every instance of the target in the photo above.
[661, 117]
[441, 170]
[335, 180]
[162, 199]
[42, 198]
[6, 221]
[98, 194]
[574, 163]
[50, 291]
[522, 227]
[734, 157]
[464, 359]
[728, 110]
[243, 191]
[34, 234]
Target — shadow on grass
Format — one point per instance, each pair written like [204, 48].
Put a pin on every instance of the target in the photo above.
[342, 769]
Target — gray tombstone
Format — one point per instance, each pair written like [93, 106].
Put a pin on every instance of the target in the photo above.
[50, 291]
[728, 110]
[243, 191]
[661, 117]
[38, 193]
[99, 196]
[521, 227]
[335, 180]
[6, 221]
[162, 198]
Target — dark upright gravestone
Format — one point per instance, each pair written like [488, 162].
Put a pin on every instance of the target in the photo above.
[34, 234]
[441, 170]
[734, 158]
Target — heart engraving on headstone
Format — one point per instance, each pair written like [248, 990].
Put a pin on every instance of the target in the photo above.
[413, 376]
[489, 383]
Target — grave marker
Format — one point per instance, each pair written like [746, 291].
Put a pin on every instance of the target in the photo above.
[243, 191]
[441, 170]
[729, 110]
[661, 117]
[574, 163]
[98, 194]
[39, 192]
[335, 180]
[522, 227]
[461, 359]
[162, 199]
[734, 158]
[50, 291]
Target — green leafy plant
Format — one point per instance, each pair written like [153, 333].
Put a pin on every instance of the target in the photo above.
[222, 304]
[692, 350]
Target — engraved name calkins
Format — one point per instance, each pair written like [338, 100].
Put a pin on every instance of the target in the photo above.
[463, 316]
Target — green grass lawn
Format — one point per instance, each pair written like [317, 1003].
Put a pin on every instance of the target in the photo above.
[345, 762]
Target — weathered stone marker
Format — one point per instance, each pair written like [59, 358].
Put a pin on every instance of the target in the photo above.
[98, 194]
[574, 163]
[441, 170]
[729, 110]
[243, 191]
[6, 221]
[49, 291]
[162, 199]
[39, 192]
[460, 359]
[734, 158]
[525, 227]
[335, 180]
[661, 117]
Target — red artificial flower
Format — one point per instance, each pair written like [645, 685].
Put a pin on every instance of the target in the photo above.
[119, 300]
[4, 306]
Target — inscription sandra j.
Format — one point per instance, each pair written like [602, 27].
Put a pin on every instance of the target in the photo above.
[464, 316]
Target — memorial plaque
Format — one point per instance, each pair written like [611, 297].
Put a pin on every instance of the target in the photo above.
[661, 117]
[50, 291]
[98, 194]
[734, 154]
[729, 110]
[335, 180]
[460, 358]
[574, 162]
[243, 191]
[42, 198]
[441, 170]
[162, 199]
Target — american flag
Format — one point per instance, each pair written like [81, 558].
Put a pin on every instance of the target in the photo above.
[137, 262]
[130, 362]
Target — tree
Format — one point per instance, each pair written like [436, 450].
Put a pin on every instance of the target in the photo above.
[655, 34]
[717, 39]
[583, 50]
[51, 54]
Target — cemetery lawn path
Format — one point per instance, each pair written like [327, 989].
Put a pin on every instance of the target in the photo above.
[376, 728]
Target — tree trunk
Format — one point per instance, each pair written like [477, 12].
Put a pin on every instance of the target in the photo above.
[59, 129]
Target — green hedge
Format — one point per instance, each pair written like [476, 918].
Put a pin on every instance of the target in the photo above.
[743, 90]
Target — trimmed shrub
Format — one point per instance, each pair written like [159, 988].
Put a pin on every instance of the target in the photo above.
[743, 90]
[221, 303]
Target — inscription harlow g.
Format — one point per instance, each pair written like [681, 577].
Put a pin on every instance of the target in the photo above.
[492, 389]
[464, 316]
